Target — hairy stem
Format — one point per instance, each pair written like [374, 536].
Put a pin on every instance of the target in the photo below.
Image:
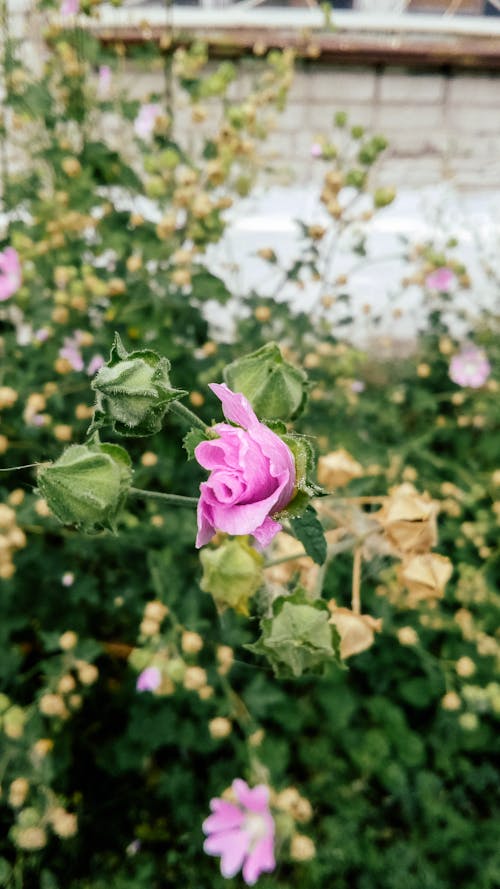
[182, 411]
[176, 499]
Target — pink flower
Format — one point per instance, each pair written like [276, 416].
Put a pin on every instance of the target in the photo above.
[69, 7]
[10, 273]
[144, 123]
[252, 474]
[441, 279]
[95, 364]
[316, 150]
[149, 679]
[104, 81]
[470, 367]
[242, 834]
[71, 352]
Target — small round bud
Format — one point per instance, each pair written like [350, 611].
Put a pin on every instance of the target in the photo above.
[191, 643]
[465, 667]
[63, 823]
[149, 458]
[302, 848]
[68, 640]
[156, 611]
[18, 791]
[451, 701]
[52, 705]
[195, 678]
[149, 627]
[220, 727]
[42, 747]
[87, 673]
[30, 838]
[66, 684]
[407, 636]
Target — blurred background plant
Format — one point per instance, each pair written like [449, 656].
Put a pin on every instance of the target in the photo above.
[127, 698]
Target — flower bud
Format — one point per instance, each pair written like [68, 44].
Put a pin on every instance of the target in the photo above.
[133, 391]
[274, 388]
[232, 573]
[302, 848]
[220, 727]
[87, 485]
[191, 643]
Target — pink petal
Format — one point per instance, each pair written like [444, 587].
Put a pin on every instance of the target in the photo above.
[236, 407]
[226, 816]
[266, 532]
[206, 527]
[244, 518]
[260, 859]
[232, 846]
[256, 799]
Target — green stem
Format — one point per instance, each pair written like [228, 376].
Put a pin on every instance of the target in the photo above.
[177, 499]
[182, 411]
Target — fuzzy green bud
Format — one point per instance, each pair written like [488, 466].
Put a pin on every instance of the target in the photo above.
[274, 388]
[87, 485]
[133, 391]
[232, 573]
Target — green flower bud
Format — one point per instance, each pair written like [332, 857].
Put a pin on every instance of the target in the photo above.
[274, 388]
[232, 573]
[87, 485]
[298, 638]
[384, 196]
[133, 391]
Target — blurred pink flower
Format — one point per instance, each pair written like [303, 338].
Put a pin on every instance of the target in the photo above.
[470, 367]
[68, 578]
[95, 364]
[242, 833]
[104, 81]
[144, 123]
[10, 273]
[149, 679]
[69, 7]
[316, 150]
[71, 352]
[252, 474]
[441, 279]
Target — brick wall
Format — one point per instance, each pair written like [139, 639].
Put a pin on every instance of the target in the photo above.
[439, 125]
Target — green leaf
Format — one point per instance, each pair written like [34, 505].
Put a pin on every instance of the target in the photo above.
[309, 530]
[207, 286]
[192, 439]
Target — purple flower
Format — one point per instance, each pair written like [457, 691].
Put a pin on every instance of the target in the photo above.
[441, 279]
[144, 123]
[149, 679]
[95, 364]
[470, 367]
[252, 474]
[69, 7]
[242, 833]
[10, 273]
